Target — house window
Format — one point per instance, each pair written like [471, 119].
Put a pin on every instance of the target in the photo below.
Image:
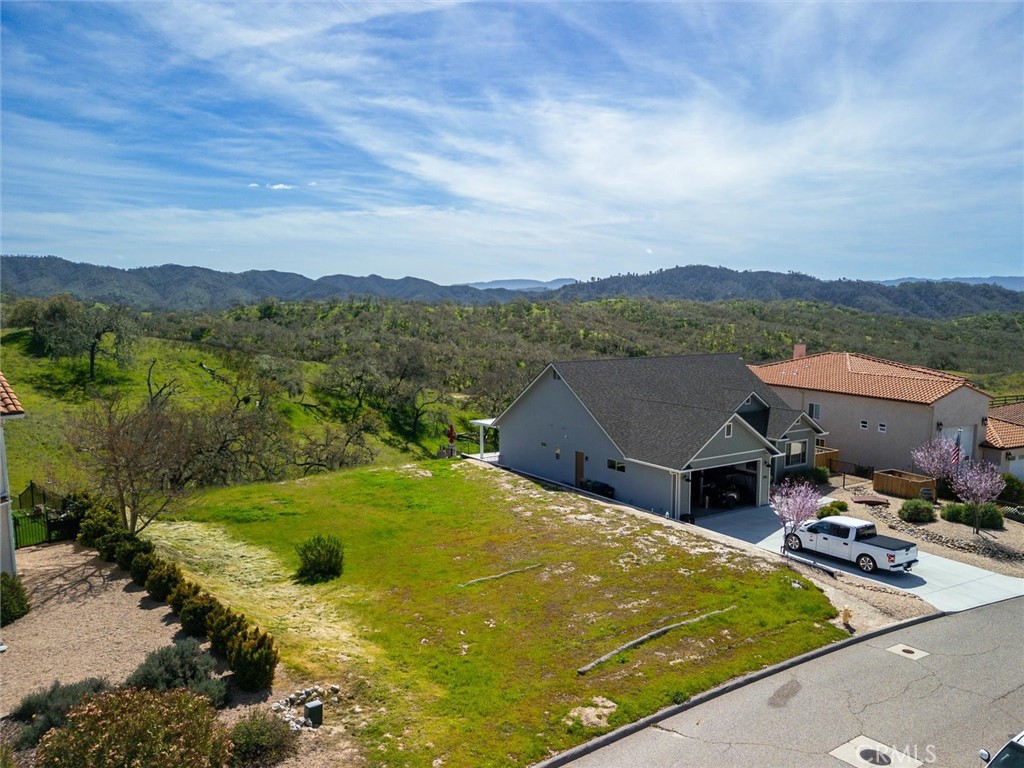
[618, 466]
[814, 410]
[728, 430]
[555, 376]
[543, 444]
[819, 442]
[881, 426]
[796, 453]
[864, 425]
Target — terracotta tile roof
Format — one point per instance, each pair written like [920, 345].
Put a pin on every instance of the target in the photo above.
[853, 374]
[1004, 434]
[1013, 413]
[9, 403]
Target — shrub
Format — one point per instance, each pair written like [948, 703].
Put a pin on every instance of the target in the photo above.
[6, 756]
[97, 521]
[194, 611]
[253, 657]
[989, 516]
[138, 729]
[142, 564]
[125, 552]
[954, 512]
[222, 625]
[322, 558]
[49, 708]
[1013, 491]
[841, 505]
[13, 600]
[185, 590]
[261, 739]
[162, 580]
[181, 665]
[107, 544]
[917, 511]
[827, 511]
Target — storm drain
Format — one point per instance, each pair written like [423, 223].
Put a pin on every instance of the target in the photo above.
[863, 752]
[907, 651]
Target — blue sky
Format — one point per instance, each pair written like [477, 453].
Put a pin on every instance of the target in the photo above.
[464, 142]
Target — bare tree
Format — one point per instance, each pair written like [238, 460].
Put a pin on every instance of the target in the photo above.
[977, 482]
[795, 502]
[140, 456]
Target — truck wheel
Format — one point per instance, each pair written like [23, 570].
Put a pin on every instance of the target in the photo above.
[866, 563]
[793, 542]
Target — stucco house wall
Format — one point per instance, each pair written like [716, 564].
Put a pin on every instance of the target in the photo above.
[882, 433]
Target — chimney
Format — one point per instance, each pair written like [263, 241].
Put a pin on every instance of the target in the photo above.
[799, 351]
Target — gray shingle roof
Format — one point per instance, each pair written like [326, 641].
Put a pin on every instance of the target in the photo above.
[663, 410]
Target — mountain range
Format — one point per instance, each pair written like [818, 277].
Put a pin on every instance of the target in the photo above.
[174, 287]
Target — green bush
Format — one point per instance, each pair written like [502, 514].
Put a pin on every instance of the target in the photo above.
[162, 580]
[261, 739]
[321, 558]
[46, 709]
[989, 515]
[97, 522]
[252, 656]
[836, 507]
[917, 511]
[125, 552]
[6, 756]
[222, 625]
[13, 600]
[107, 544]
[181, 665]
[142, 564]
[194, 612]
[138, 729]
[1013, 491]
[954, 512]
[185, 590]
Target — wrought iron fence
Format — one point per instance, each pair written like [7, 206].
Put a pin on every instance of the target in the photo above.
[41, 517]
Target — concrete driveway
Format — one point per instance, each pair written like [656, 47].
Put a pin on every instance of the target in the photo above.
[947, 584]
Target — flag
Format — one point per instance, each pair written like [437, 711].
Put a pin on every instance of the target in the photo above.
[451, 434]
[956, 452]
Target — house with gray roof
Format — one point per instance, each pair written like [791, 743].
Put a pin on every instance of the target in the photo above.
[666, 434]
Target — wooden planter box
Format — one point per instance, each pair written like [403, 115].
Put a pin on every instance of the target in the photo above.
[905, 485]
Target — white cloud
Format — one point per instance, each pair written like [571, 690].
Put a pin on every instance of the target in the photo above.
[280, 186]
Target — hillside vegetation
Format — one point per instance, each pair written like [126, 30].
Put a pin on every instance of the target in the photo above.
[367, 380]
[173, 287]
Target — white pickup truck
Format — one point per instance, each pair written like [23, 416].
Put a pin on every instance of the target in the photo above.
[854, 540]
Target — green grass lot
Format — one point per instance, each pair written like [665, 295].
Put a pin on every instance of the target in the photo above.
[485, 674]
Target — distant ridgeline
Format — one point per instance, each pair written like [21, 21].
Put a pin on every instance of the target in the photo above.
[172, 287]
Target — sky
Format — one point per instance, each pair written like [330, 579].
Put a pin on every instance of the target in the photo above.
[462, 142]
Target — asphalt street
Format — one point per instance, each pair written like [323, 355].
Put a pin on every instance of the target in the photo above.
[929, 694]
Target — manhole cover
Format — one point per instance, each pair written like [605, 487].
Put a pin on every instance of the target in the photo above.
[874, 757]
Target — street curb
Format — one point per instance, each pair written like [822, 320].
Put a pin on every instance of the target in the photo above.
[575, 753]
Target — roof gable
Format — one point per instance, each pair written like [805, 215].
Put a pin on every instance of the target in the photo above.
[849, 373]
[663, 410]
[1003, 434]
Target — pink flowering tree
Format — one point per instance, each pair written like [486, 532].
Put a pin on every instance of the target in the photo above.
[795, 503]
[977, 482]
[936, 458]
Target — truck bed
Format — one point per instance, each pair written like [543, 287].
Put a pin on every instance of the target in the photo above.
[887, 542]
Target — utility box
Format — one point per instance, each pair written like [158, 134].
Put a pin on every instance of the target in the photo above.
[314, 712]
